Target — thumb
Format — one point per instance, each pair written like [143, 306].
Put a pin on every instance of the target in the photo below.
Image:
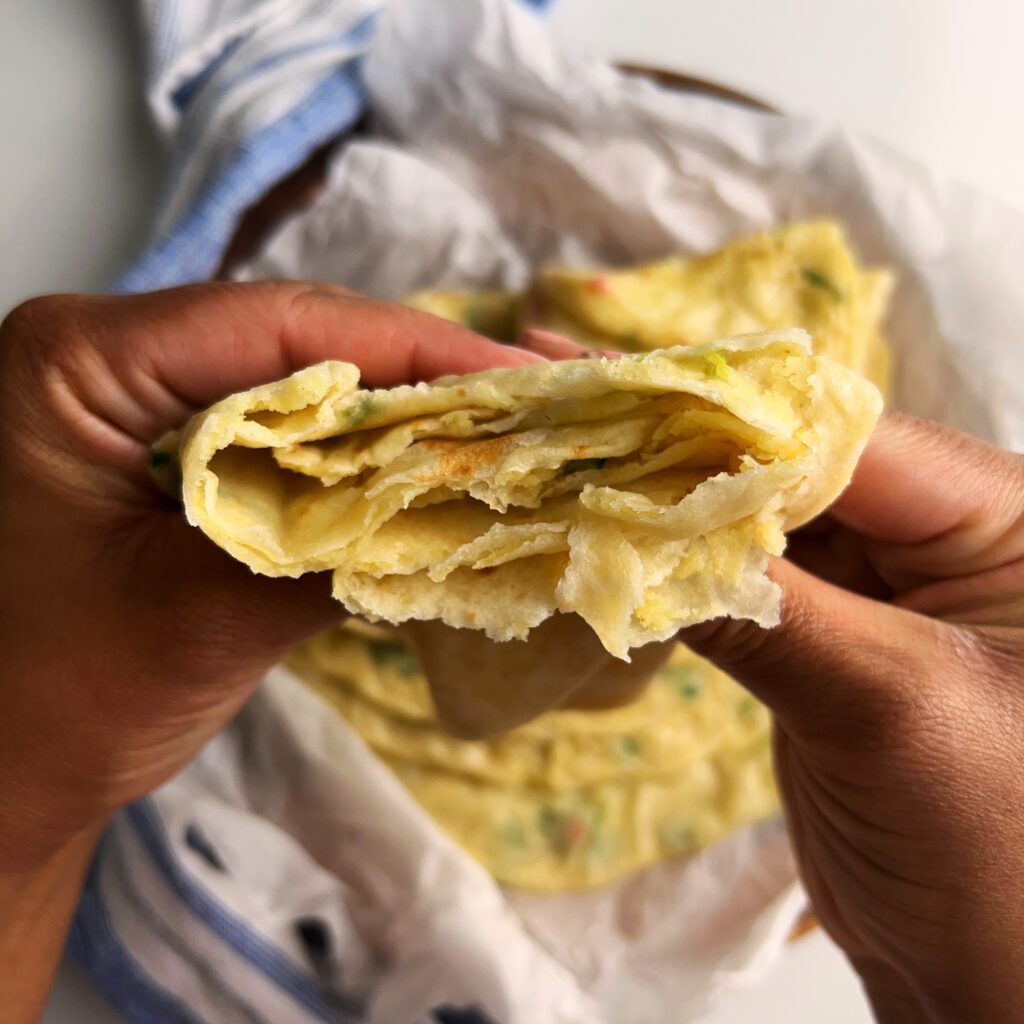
[941, 520]
[835, 658]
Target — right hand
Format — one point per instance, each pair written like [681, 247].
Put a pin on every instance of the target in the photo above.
[896, 680]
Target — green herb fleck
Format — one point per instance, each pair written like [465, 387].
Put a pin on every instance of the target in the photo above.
[746, 707]
[579, 465]
[716, 366]
[678, 837]
[512, 834]
[361, 411]
[816, 279]
[684, 681]
[629, 747]
[157, 459]
[394, 656]
[548, 821]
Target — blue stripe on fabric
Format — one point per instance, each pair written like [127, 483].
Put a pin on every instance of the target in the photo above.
[95, 947]
[358, 35]
[206, 974]
[291, 135]
[192, 249]
[235, 931]
[195, 125]
[188, 89]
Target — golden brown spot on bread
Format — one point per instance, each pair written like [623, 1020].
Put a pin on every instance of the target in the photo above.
[467, 460]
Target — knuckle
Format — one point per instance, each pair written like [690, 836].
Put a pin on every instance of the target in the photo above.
[39, 318]
[922, 700]
[947, 714]
[39, 333]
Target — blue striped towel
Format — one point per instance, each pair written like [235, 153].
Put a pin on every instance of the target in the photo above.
[244, 92]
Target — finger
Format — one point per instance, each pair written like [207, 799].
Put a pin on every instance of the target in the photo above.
[227, 621]
[934, 503]
[836, 658]
[617, 683]
[994, 598]
[550, 344]
[244, 335]
[553, 345]
[139, 365]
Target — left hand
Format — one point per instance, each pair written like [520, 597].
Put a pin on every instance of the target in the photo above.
[128, 638]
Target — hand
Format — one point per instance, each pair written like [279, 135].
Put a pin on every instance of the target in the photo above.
[897, 684]
[128, 638]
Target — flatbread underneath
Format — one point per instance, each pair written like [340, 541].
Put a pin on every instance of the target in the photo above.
[572, 799]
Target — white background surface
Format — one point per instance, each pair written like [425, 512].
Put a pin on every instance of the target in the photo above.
[940, 79]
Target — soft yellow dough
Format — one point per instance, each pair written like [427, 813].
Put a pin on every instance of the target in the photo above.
[642, 494]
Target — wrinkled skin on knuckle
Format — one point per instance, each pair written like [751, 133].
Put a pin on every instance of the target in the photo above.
[44, 341]
[1002, 648]
[34, 338]
[36, 324]
[931, 717]
[957, 753]
[992, 672]
[26, 334]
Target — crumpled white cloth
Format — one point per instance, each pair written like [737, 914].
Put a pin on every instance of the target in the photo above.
[286, 875]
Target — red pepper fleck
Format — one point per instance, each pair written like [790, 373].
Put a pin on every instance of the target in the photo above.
[599, 285]
[575, 830]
